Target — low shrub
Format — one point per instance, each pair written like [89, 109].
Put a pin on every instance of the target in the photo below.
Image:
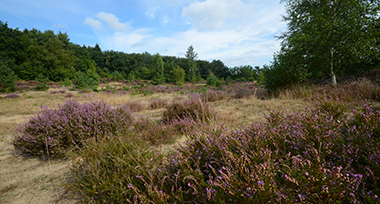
[212, 80]
[155, 132]
[316, 156]
[193, 109]
[13, 95]
[105, 171]
[41, 87]
[157, 103]
[55, 130]
[211, 96]
[133, 106]
[292, 158]
[243, 93]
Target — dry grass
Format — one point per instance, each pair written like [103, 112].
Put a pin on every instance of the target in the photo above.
[243, 112]
[33, 180]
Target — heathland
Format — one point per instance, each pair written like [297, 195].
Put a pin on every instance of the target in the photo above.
[138, 142]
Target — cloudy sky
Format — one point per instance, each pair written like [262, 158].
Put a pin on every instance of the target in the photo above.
[238, 32]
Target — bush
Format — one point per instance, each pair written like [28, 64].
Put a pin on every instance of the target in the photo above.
[292, 158]
[105, 171]
[178, 75]
[53, 131]
[212, 80]
[155, 133]
[12, 96]
[260, 78]
[283, 74]
[7, 79]
[316, 156]
[212, 96]
[67, 82]
[158, 103]
[82, 81]
[193, 109]
[133, 106]
[116, 76]
[229, 81]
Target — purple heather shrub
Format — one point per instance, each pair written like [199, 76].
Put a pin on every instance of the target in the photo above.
[69, 95]
[154, 132]
[211, 96]
[193, 108]
[352, 91]
[57, 129]
[134, 106]
[22, 87]
[317, 156]
[158, 103]
[13, 95]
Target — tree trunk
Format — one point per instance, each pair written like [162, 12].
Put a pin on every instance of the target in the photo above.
[333, 77]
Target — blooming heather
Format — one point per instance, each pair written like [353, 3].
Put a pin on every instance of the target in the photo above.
[55, 130]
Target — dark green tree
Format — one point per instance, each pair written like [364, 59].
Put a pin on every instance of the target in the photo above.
[192, 65]
[7, 77]
[158, 67]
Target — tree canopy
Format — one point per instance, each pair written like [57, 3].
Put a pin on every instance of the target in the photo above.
[326, 37]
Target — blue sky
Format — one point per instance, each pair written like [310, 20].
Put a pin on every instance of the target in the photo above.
[238, 32]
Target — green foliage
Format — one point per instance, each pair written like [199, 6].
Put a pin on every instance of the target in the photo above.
[192, 65]
[42, 86]
[158, 67]
[178, 75]
[212, 80]
[260, 78]
[326, 37]
[282, 73]
[244, 73]
[67, 82]
[199, 77]
[82, 81]
[116, 75]
[229, 81]
[7, 78]
[131, 77]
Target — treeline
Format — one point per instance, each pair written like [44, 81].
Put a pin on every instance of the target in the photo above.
[35, 55]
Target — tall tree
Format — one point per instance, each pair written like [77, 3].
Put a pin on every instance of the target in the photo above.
[192, 65]
[326, 36]
[158, 67]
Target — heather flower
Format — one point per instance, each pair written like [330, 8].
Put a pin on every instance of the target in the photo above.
[57, 129]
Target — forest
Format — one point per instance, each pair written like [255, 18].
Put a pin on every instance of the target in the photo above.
[46, 56]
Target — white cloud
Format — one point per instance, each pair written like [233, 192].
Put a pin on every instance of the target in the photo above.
[237, 32]
[213, 14]
[151, 12]
[93, 23]
[112, 21]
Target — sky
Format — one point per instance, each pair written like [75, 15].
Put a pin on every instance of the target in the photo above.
[238, 32]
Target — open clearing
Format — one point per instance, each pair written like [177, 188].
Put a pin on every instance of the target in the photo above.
[33, 180]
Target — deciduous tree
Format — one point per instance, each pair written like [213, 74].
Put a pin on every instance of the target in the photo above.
[328, 35]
